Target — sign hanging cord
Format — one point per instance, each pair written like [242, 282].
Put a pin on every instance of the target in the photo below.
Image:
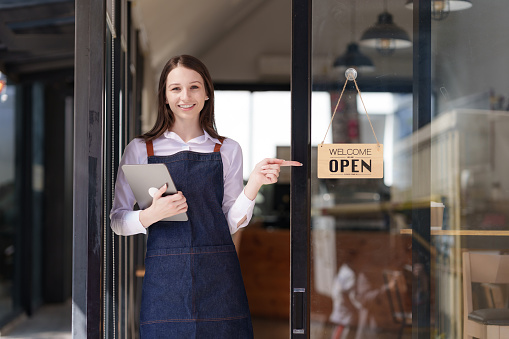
[351, 77]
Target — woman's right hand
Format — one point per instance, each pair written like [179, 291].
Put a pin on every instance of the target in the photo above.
[163, 207]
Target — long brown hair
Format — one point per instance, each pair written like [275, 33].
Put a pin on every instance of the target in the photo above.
[165, 117]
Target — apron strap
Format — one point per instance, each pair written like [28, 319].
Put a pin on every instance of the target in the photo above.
[150, 148]
[217, 148]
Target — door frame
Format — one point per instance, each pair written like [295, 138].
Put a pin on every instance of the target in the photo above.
[300, 194]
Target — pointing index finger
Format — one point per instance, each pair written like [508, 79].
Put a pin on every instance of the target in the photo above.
[290, 163]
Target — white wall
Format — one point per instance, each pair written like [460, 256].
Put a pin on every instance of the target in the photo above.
[266, 32]
[148, 98]
[471, 50]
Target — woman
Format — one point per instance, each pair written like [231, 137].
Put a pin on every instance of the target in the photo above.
[193, 286]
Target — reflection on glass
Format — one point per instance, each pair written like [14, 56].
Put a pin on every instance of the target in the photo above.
[353, 234]
[365, 279]
[361, 265]
[7, 194]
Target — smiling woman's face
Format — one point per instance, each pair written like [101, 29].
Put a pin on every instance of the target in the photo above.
[185, 93]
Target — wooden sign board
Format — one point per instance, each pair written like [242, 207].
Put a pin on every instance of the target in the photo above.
[350, 161]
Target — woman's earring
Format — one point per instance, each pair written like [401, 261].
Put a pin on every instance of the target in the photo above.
[207, 98]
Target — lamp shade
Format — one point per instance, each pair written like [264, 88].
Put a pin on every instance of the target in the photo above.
[385, 36]
[440, 8]
[354, 58]
[454, 5]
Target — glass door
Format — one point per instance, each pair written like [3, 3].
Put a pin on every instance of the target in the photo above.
[10, 236]
[361, 266]
[392, 257]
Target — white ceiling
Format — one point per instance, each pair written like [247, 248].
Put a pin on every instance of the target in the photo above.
[196, 27]
[171, 27]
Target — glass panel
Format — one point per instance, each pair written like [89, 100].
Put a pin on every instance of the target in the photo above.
[361, 264]
[469, 144]
[365, 281]
[8, 218]
[261, 125]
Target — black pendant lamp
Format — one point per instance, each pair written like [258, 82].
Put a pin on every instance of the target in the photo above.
[355, 59]
[385, 36]
[440, 8]
[353, 56]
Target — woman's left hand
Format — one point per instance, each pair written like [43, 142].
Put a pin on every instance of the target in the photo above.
[265, 172]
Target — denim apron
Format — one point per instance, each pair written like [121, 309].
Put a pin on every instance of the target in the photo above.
[193, 286]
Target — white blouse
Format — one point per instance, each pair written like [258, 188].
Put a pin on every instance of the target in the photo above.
[236, 206]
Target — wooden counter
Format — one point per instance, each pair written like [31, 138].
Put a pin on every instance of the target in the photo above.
[265, 262]
[462, 232]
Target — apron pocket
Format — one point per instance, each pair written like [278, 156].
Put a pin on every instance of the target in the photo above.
[167, 286]
[218, 285]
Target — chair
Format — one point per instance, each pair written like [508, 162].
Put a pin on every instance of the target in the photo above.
[396, 289]
[493, 295]
[488, 323]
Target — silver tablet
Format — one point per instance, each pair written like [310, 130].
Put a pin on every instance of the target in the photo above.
[145, 180]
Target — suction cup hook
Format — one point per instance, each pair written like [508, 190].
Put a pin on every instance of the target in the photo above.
[351, 74]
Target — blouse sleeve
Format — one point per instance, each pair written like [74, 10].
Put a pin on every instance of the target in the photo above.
[236, 205]
[125, 221]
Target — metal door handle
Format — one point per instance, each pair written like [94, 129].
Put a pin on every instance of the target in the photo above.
[298, 313]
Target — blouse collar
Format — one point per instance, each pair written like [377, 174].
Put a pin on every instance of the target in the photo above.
[198, 140]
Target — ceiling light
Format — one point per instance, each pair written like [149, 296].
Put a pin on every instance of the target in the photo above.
[353, 56]
[385, 36]
[355, 59]
[440, 8]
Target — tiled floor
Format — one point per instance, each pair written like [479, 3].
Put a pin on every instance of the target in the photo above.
[49, 322]
[54, 322]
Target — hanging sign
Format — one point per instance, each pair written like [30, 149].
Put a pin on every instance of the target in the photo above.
[350, 161]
